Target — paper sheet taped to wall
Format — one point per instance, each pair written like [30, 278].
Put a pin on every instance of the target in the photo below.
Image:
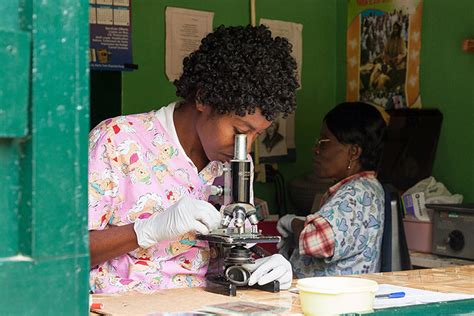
[293, 32]
[184, 31]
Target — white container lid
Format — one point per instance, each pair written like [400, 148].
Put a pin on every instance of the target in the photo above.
[336, 285]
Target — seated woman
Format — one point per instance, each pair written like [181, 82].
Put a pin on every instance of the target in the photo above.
[345, 235]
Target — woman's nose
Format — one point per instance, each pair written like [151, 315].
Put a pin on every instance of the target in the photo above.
[316, 149]
[251, 138]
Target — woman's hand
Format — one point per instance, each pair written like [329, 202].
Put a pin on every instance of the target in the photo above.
[285, 226]
[188, 214]
[268, 269]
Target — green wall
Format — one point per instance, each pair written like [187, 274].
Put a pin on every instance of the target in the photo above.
[148, 87]
[447, 82]
[447, 74]
[318, 93]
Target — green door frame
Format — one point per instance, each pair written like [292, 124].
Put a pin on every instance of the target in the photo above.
[44, 115]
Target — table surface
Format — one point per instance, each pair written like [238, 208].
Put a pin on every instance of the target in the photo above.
[456, 279]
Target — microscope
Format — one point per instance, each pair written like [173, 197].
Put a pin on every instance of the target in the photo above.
[231, 245]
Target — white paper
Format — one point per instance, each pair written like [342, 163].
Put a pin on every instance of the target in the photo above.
[413, 296]
[293, 32]
[92, 15]
[121, 16]
[105, 16]
[184, 31]
[125, 3]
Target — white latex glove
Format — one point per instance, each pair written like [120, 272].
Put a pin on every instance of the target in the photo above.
[284, 224]
[188, 214]
[268, 269]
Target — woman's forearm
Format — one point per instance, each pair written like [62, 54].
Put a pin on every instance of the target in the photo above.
[111, 243]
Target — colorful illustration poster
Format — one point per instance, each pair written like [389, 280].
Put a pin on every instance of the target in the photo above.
[383, 52]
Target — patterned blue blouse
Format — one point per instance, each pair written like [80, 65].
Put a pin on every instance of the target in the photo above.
[356, 214]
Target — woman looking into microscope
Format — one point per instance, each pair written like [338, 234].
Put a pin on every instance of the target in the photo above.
[148, 172]
[345, 235]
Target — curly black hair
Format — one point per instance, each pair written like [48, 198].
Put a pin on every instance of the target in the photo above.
[239, 68]
[361, 124]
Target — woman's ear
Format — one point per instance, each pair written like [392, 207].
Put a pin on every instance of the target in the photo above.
[200, 107]
[355, 151]
[204, 109]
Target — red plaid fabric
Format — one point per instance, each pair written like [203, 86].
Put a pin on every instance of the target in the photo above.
[317, 237]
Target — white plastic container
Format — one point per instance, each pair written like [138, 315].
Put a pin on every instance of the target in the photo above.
[336, 295]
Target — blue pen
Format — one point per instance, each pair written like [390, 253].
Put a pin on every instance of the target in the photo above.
[391, 295]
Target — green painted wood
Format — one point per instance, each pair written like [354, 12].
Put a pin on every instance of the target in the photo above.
[9, 195]
[15, 56]
[461, 307]
[44, 260]
[9, 9]
[25, 213]
[44, 287]
[60, 108]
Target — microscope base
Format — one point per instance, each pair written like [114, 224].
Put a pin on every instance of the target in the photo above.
[219, 285]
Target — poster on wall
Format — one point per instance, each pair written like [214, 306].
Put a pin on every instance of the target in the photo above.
[110, 35]
[383, 52]
[293, 32]
[273, 140]
[185, 29]
[277, 144]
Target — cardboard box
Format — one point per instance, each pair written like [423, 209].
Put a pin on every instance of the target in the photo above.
[414, 205]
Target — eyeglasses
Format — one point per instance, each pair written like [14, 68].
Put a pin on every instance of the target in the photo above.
[321, 141]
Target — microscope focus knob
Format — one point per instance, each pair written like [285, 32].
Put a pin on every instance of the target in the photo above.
[456, 240]
[215, 190]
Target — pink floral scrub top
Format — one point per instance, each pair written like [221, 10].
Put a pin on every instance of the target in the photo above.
[137, 167]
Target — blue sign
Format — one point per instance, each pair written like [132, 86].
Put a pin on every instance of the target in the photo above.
[110, 35]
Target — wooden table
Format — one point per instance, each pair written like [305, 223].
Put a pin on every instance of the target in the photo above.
[457, 279]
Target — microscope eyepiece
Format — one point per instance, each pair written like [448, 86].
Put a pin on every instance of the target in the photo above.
[240, 147]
